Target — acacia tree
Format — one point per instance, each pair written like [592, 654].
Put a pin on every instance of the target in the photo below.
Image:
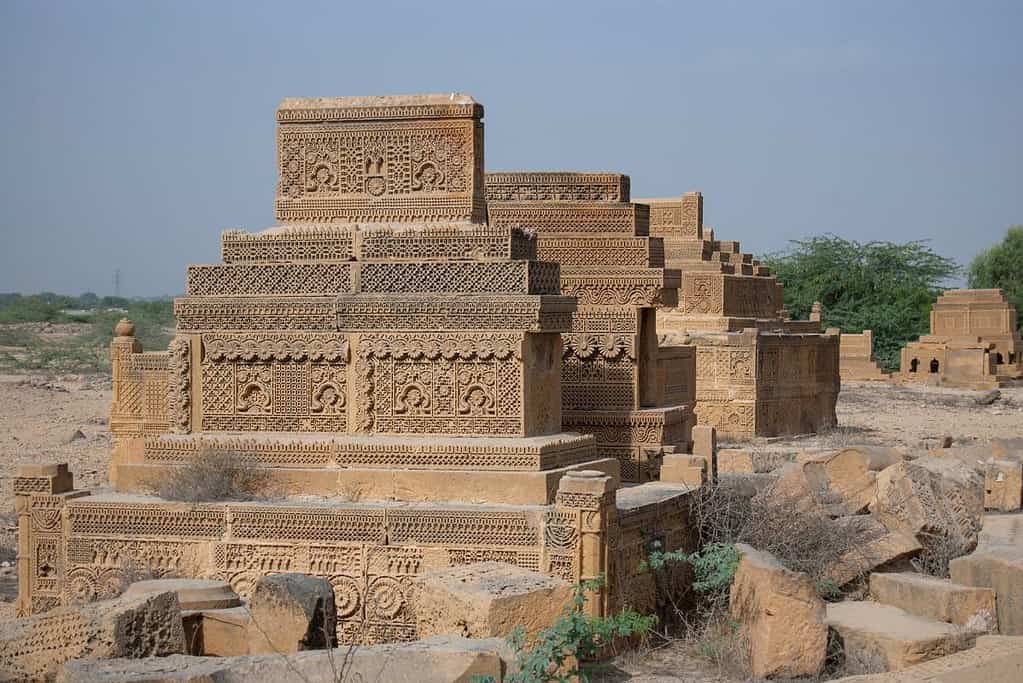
[881, 286]
[1001, 267]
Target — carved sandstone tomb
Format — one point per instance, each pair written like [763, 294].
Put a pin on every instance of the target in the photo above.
[757, 373]
[974, 343]
[391, 363]
[618, 383]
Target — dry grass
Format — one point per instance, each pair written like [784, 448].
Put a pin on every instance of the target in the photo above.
[213, 476]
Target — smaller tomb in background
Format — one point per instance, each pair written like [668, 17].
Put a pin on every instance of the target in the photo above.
[757, 373]
[974, 343]
[617, 383]
[856, 360]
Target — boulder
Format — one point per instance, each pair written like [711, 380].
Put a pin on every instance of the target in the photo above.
[487, 599]
[34, 648]
[931, 499]
[938, 599]
[997, 563]
[291, 612]
[437, 660]
[781, 614]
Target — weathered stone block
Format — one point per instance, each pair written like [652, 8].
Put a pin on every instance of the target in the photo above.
[488, 599]
[934, 598]
[34, 648]
[1003, 485]
[881, 637]
[734, 461]
[782, 615]
[997, 563]
[690, 470]
[292, 612]
[876, 546]
[437, 660]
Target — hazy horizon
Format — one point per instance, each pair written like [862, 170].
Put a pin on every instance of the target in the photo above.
[134, 133]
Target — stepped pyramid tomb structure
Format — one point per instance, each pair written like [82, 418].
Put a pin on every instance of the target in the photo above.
[617, 383]
[392, 363]
[974, 343]
[857, 357]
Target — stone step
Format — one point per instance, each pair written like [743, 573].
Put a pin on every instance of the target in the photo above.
[938, 599]
[876, 637]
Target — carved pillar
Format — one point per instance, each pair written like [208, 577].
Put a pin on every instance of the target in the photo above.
[40, 492]
[588, 497]
[126, 407]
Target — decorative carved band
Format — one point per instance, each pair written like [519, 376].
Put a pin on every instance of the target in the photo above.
[547, 186]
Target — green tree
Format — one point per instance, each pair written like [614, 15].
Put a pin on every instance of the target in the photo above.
[1001, 267]
[881, 286]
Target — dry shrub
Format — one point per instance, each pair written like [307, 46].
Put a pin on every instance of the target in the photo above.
[799, 535]
[940, 548]
[213, 476]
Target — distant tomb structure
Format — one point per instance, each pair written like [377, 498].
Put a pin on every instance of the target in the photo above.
[974, 343]
[856, 360]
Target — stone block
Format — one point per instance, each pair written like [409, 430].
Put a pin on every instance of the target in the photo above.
[705, 444]
[782, 615]
[487, 599]
[881, 637]
[876, 546]
[997, 563]
[34, 648]
[436, 660]
[734, 461]
[193, 594]
[934, 598]
[690, 470]
[930, 498]
[992, 660]
[291, 612]
[1003, 485]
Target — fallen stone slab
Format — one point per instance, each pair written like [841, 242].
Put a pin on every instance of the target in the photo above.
[193, 594]
[997, 563]
[487, 599]
[35, 647]
[781, 614]
[436, 660]
[842, 482]
[735, 461]
[994, 659]
[876, 637]
[291, 612]
[938, 599]
[931, 499]
[875, 547]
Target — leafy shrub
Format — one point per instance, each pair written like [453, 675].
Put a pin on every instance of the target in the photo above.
[1001, 267]
[714, 565]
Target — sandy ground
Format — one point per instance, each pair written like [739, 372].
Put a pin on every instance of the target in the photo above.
[65, 419]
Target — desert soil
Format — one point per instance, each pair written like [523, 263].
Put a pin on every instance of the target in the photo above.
[65, 419]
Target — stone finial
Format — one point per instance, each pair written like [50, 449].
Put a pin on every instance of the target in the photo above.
[815, 311]
[124, 328]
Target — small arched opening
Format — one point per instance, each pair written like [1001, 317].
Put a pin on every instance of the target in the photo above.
[934, 365]
[998, 358]
[914, 364]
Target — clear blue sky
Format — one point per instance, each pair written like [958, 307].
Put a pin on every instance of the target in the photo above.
[133, 132]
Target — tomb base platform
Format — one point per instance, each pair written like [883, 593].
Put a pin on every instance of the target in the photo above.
[638, 439]
[405, 468]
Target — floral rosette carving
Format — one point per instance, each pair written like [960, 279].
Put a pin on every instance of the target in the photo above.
[446, 347]
[276, 348]
[585, 345]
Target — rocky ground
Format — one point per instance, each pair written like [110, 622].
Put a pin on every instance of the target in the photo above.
[65, 419]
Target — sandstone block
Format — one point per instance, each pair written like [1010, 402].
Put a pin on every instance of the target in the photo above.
[1003, 485]
[690, 470]
[487, 599]
[193, 594]
[934, 598]
[437, 660]
[929, 498]
[878, 637]
[993, 659]
[34, 648]
[781, 614]
[876, 546]
[735, 461]
[291, 612]
[997, 563]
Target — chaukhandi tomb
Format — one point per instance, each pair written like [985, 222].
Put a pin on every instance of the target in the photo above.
[974, 343]
[856, 360]
[617, 383]
[757, 373]
[393, 364]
